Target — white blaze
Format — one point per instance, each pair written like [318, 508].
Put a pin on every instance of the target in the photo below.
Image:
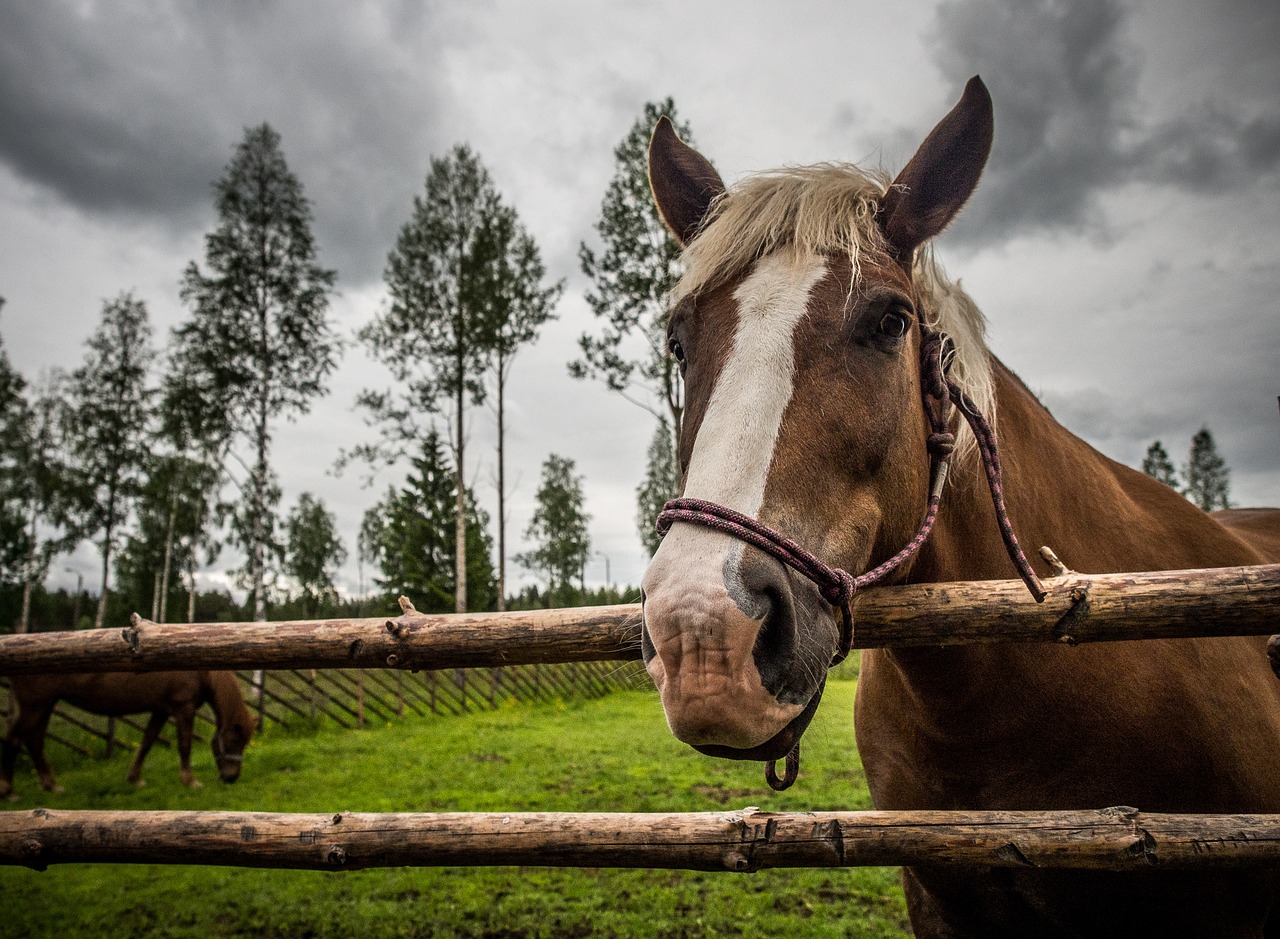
[734, 448]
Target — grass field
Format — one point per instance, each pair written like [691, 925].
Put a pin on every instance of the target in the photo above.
[613, 754]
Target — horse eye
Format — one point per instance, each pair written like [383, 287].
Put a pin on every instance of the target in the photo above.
[676, 349]
[894, 325]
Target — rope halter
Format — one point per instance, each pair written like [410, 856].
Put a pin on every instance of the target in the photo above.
[939, 394]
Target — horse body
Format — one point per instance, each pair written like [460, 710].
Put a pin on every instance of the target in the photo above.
[164, 694]
[1167, 726]
[801, 355]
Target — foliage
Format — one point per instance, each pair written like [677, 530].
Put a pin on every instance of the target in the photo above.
[559, 529]
[259, 343]
[409, 537]
[1157, 465]
[41, 486]
[613, 754]
[437, 335]
[110, 410]
[312, 549]
[1208, 478]
[519, 306]
[196, 430]
[15, 430]
[637, 266]
[170, 520]
[661, 483]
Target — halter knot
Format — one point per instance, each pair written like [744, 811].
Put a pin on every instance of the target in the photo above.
[941, 443]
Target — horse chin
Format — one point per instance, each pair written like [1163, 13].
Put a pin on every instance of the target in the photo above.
[777, 746]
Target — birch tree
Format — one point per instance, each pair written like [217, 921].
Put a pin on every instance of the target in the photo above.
[110, 407]
[519, 303]
[435, 335]
[259, 336]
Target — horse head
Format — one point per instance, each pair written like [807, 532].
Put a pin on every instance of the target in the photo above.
[798, 327]
[235, 728]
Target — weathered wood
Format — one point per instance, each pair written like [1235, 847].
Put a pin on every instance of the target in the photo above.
[1117, 839]
[413, 640]
[1229, 601]
[1080, 608]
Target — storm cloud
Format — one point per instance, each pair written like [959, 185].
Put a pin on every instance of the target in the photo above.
[1071, 123]
[133, 109]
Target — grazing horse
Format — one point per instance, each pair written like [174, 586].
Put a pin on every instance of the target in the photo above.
[809, 315]
[163, 694]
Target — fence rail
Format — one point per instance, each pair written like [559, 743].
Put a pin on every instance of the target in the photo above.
[1229, 601]
[1116, 839]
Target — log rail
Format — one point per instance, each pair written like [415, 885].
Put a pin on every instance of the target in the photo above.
[1114, 839]
[1080, 608]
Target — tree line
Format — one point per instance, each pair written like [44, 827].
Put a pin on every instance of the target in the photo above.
[160, 457]
[1205, 478]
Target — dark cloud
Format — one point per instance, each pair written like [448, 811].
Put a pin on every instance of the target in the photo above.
[134, 109]
[1069, 123]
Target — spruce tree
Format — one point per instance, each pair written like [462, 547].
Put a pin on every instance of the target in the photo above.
[1157, 465]
[408, 536]
[111, 410]
[1206, 473]
[259, 339]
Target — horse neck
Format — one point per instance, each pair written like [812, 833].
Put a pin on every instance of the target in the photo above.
[228, 702]
[1097, 515]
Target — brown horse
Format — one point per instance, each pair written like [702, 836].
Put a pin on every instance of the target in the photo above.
[164, 694]
[798, 326]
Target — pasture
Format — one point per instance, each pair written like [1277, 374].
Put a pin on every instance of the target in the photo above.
[611, 754]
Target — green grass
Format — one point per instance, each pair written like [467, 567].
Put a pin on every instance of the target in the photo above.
[614, 754]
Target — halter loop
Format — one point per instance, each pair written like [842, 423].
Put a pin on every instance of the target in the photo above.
[837, 586]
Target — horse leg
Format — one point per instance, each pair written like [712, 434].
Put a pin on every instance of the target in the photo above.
[149, 736]
[9, 749]
[35, 746]
[185, 719]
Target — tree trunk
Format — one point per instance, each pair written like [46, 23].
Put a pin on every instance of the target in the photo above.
[100, 620]
[168, 550]
[191, 594]
[29, 576]
[502, 489]
[258, 556]
[460, 503]
[155, 598]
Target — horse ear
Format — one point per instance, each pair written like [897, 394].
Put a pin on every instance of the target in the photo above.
[939, 179]
[683, 182]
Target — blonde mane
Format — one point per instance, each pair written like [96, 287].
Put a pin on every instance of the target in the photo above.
[830, 209]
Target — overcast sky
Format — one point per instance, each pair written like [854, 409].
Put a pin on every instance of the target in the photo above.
[1124, 242]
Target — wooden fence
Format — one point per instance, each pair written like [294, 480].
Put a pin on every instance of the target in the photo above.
[1233, 601]
[352, 697]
